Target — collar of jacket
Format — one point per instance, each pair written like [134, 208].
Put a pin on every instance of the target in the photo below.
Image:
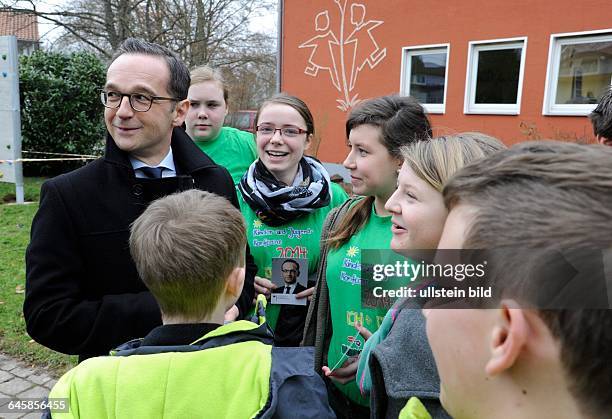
[188, 158]
[239, 331]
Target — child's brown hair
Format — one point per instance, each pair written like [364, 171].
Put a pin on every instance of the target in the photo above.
[185, 246]
[549, 195]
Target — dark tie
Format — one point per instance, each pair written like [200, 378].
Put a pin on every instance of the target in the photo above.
[152, 172]
[287, 288]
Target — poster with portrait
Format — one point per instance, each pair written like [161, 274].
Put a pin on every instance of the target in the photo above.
[290, 275]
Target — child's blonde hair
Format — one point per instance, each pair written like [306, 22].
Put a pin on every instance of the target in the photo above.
[435, 161]
[185, 246]
[206, 73]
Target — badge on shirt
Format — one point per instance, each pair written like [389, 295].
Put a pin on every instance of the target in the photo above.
[290, 275]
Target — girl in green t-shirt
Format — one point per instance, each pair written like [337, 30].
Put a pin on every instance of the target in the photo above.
[284, 197]
[376, 130]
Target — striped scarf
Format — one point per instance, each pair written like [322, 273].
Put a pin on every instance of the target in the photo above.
[275, 203]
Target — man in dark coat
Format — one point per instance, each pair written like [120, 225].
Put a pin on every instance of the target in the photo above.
[83, 294]
[290, 269]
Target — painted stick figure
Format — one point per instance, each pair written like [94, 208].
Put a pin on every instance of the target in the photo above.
[365, 48]
[323, 45]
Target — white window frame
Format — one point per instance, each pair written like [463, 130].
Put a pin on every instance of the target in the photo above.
[557, 40]
[470, 107]
[407, 54]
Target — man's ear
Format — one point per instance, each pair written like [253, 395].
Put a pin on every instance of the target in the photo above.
[508, 338]
[604, 141]
[180, 113]
[235, 281]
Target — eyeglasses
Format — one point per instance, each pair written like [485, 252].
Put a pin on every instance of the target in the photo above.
[270, 130]
[138, 101]
[287, 271]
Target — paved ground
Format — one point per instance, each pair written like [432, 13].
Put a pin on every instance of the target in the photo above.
[18, 382]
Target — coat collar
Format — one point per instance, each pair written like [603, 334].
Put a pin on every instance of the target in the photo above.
[188, 158]
[227, 334]
[177, 334]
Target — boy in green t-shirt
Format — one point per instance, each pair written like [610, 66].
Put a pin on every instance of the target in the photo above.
[228, 147]
[189, 251]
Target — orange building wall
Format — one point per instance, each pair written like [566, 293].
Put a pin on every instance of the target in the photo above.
[412, 23]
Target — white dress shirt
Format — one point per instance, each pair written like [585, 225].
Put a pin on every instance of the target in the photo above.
[167, 163]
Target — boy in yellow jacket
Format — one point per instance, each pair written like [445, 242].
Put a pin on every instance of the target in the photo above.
[189, 251]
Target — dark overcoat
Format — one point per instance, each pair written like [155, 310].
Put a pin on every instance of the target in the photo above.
[83, 293]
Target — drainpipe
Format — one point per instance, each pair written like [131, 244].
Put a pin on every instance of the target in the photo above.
[279, 45]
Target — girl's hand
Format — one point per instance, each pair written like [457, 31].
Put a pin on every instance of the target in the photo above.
[309, 292]
[263, 286]
[345, 373]
[363, 331]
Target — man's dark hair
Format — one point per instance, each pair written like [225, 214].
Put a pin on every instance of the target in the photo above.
[291, 261]
[178, 84]
[549, 195]
[601, 117]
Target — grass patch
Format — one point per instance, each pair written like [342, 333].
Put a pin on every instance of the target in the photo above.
[31, 190]
[15, 222]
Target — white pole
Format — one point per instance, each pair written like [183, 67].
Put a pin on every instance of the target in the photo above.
[9, 86]
[16, 124]
[279, 44]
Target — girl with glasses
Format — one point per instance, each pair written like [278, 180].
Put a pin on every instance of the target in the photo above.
[285, 197]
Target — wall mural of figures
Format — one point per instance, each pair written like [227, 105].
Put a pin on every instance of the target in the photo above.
[343, 49]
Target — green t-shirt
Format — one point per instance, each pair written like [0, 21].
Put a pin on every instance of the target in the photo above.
[344, 282]
[297, 239]
[233, 149]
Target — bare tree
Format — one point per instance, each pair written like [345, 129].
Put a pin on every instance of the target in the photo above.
[250, 84]
[214, 32]
[200, 30]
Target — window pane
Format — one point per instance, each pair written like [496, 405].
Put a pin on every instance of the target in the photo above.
[427, 77]
[498, 76]
[585, 70]
[242, 121]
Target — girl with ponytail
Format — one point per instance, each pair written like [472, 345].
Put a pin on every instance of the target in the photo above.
[376, 130]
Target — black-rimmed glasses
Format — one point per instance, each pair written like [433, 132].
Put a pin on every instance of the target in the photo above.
[138, 101]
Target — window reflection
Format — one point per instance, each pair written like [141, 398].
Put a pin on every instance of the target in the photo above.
[585, 71]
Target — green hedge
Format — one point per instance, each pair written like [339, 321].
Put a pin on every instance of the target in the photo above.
[60, 107]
